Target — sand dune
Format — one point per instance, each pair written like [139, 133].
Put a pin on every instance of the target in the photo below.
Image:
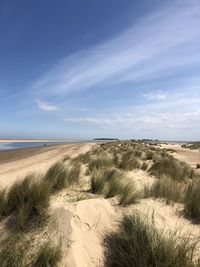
[83, 224]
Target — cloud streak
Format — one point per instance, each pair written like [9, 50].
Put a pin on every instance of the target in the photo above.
[158, 45]
[46, 106]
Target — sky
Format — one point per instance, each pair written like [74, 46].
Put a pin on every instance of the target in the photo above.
[88, 69]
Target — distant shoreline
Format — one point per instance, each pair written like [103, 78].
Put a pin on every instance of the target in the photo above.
[36, 140]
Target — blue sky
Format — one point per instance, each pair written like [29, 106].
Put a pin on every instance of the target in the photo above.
[84, 69]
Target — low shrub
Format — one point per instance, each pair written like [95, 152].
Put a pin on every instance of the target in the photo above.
[137, 243]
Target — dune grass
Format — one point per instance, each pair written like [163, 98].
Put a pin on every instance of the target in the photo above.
[137, 243]
[61, 176]
[128, 194]
[104, 181]
[166, 188]
[48, 256]
[144, 166]
[110, 183]
[192, 200]
[27, 199]
[56, 175]
[99, 162]
[13, 250]
[172, 168]
[81, 158]
[129, 161]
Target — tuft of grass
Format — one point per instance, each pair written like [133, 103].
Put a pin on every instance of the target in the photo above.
[65, 158]
[82, 158]
[2, 203]
[48, 256]
[100, 162]
[60, 176]
[144, 166]
[137, 243]
[56, 175]
[97, 183]
[198, 166]
[109, 183]
[128, 194]
[172, 168]
[129, 161]
[166, 188]
[73, 174]
[27, 199]
[192, 200]
[13, 251]
[149, 155]
[105, 182]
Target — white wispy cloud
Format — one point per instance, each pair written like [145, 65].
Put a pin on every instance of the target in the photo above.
[171, 119]
[157, 95]
[156, 46]
[46, 106]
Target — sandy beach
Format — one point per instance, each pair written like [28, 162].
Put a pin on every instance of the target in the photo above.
[19, 162]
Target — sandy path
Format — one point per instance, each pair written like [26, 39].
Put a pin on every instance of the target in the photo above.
[11, 171]
[192, 157]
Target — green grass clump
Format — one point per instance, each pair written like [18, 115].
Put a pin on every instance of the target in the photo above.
[149, 155]
[100, 163]
[166, 188]
[137, 243]
[2, 203]
[61, 176]
[82, 158]
[14, 250]
[129, 161]
[144, 166]
[56, 175]
[172, 168]
[109, 183]
[73, 174]
[27, 199]
[128, 194]
[192, 200]
[97, 183]
[48, 256]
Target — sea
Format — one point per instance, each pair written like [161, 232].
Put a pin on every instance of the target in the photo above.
[15, 145]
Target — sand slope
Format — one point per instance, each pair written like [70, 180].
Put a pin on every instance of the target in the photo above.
[192, 157]
[83, 225]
